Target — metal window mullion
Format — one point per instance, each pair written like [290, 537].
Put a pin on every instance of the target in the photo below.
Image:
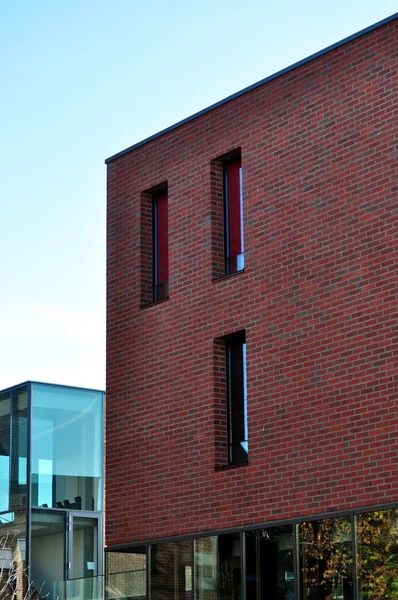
[193, 568]
[243, 564]
[28, 481]
[296, 561]
[355, 582]
[148, 571]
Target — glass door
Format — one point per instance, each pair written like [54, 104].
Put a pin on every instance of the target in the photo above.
[47, 563]
[84, 556]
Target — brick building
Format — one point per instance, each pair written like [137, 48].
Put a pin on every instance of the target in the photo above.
[252, 340]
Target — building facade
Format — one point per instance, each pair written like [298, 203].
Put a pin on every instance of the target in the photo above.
[252, 404]
[51, 492]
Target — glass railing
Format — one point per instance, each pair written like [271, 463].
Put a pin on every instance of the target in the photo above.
[87, 588]
[129, 585]
[126, 585]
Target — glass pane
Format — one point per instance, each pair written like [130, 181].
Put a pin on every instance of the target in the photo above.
[326, 559]
[217, 567]
[13, 551]
[66, 448]
[84, 557]
[48, 553]
[89, 588]
[126, 574]
[270, 564]
[127, 560]
[171, 571]
[19, 443]
[5, 452]
[205, 568]
[237, 398]
[378, 555]
[228, 585]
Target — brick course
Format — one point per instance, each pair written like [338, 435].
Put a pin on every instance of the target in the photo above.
[318, 301]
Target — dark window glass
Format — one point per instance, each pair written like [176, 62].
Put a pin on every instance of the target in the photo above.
[270, 564]
[326, 559]
[19, 443]
[233, 216]
[228, 585]
[5, 451]
[237, 398]
[378, 555]
[160, 246]
[171, 571]
[218, 567]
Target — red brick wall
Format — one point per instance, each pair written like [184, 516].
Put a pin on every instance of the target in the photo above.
[317, 299]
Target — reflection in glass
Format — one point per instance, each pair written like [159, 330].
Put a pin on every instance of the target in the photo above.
[326, 559]
[378, 555]
[5, 447]
[126, 574]
[84, 547]
[270, 564]
[217, 567]
[13, 551]
[170, 571]
[66, 448]
[205, 550]
[228, 567]
[88, 588]
[48, 552]
[19, 444]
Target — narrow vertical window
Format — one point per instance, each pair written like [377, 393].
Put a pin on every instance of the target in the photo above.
[160, 251]
[233, 216]
[237, 398]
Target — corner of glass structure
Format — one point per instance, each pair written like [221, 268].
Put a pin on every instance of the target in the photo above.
[51, 489]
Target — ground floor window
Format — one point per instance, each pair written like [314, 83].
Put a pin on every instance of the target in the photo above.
[326, 559]
[270, 563]
[346, 557]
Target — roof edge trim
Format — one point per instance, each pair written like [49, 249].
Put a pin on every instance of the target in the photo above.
[29, 382]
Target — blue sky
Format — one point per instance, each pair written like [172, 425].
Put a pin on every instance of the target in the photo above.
[82, 80]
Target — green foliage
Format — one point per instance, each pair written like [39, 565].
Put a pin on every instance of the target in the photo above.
[378, 555]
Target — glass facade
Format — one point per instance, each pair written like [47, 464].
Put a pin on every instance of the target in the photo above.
[51, 489]
[65, 424]
[352, 557]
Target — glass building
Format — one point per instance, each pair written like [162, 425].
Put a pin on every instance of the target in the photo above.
[51, 490]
